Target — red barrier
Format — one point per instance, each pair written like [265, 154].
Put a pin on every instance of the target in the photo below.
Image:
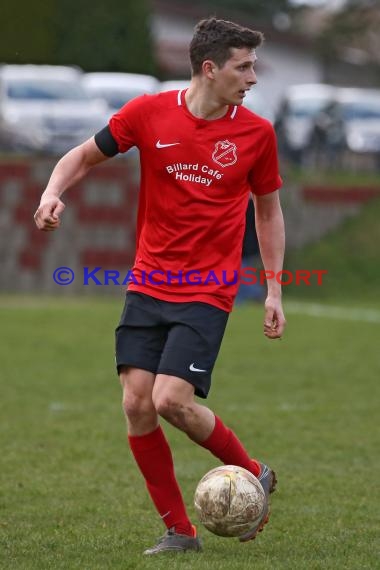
[104, 202]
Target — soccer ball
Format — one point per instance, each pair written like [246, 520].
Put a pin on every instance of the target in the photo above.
[229, 500]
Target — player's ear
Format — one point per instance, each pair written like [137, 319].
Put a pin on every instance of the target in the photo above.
[209, 68]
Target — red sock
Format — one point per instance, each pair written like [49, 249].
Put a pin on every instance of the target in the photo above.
[224, 444]
[153, 456]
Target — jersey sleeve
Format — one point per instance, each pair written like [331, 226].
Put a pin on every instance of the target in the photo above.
[264, 176]
[124, 125]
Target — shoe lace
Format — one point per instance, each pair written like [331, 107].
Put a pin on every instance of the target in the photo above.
[169, 532]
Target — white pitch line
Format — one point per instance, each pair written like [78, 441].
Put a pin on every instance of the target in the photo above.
[333, 312]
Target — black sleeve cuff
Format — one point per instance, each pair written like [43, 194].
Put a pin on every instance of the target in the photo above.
[106, 143]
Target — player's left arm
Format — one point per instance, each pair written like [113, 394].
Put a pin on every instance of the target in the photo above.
[271, 235]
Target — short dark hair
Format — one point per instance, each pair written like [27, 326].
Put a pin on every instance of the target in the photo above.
[213, 39]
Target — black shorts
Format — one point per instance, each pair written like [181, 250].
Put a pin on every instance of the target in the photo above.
[179, 339]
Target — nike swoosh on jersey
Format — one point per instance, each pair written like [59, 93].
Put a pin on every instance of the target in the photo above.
[193, 369]
[159, 144]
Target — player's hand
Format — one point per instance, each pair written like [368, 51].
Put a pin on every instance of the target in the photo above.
[274, 320]
[47, 217]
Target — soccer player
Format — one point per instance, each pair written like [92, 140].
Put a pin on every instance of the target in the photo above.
[202, 154]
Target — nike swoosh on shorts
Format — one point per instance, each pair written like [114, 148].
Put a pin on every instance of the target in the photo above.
[193, 369]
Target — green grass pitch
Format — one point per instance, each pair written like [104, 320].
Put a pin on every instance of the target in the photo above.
[71, 497]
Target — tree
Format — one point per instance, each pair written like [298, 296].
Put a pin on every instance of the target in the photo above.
[26, 33]
[103, 36]
[351, 37]
[92, 34]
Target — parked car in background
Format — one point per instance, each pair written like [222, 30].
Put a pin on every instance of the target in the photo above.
[348, 129]
[118, 88]
[44, 109]
[256, 103]
[295, 117]
[172, 84]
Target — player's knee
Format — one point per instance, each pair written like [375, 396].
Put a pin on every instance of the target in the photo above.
[172, 410]
[164, 405]
[136, 406]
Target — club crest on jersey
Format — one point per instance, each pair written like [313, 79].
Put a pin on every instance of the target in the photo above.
[224, 153]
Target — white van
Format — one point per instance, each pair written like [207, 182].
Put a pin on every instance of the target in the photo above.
[44, 109]
[118, 88]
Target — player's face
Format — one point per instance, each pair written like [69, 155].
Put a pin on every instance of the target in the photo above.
[236, 76]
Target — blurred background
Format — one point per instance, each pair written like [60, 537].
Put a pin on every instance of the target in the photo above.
[66, 66]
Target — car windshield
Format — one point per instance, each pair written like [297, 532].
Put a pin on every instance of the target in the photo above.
[258, 105]
[46, 89]
[358, 110]
[116, 99]
[306, 107]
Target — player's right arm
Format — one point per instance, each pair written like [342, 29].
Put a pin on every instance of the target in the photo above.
[118, 136]
[71, 168]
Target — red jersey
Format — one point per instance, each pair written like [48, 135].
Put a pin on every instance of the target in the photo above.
[196, 177]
